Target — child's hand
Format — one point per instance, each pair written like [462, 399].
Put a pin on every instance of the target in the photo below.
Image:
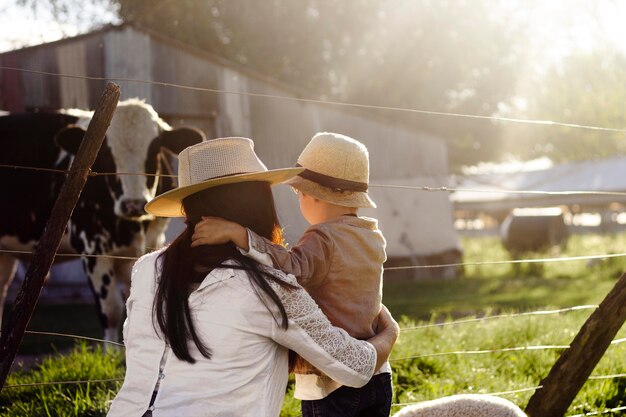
[215, 230]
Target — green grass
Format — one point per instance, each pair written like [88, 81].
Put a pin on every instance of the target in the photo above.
[425, 378]
[83, 363]
[493, 288]
[484, 290]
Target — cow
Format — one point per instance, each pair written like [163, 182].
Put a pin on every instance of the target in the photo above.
[109, 220]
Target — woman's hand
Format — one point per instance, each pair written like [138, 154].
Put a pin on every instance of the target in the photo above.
[215, 231]
[387, 333]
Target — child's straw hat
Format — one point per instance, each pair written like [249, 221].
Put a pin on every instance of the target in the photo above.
[212, 163]
[336, 170]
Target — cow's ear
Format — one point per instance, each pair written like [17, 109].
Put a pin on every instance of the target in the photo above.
[178, 139]
[69, 138]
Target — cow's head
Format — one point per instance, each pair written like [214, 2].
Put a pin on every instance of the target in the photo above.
[137, 142]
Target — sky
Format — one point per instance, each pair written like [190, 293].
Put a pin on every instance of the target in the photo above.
[20, 26]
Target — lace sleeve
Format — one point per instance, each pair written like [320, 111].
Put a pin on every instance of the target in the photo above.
[346, 360]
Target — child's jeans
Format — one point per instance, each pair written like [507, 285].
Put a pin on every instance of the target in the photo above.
[371, 400]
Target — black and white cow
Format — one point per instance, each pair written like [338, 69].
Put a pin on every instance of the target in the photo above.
[109, 218]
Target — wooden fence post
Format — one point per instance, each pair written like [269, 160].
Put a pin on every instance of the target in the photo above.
[574, 366]
[26, 300]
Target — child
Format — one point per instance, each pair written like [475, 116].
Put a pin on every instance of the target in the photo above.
[338, 260]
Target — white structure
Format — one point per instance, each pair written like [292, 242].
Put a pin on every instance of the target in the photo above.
[591, 194]
[465, 405]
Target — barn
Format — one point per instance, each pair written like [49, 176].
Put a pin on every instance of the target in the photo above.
[418, 225]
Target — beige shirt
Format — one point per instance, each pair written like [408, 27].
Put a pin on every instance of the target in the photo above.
[247, 373]
[340, 263]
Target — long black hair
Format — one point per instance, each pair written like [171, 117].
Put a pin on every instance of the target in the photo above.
[251, 204]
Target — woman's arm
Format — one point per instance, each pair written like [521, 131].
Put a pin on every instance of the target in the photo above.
[386, 335]
[348, 361]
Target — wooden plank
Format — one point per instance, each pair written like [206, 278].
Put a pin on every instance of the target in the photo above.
[26, 301]
[574, 366]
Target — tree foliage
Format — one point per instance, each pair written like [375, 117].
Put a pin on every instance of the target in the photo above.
[586, 88]
[457, 56]
[446, 56]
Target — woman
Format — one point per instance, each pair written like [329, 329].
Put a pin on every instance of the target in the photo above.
[208, 331]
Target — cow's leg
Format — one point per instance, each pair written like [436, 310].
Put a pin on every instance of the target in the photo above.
[8, 268]
[101, 273]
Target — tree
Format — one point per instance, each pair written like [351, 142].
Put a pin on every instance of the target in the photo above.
[469, 57]
[587, 88]
[446, 56]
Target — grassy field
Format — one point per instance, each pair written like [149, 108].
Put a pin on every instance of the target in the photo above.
[419, 374]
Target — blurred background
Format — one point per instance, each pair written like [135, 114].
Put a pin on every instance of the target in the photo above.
[496, 131]
[462, 104]
[555, 60]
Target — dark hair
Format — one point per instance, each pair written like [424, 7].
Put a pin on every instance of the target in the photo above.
[251, 204]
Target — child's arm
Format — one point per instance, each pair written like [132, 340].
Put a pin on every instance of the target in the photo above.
[309, 258]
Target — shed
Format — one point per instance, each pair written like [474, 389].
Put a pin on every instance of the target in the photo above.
[241, 102]
[597, 186]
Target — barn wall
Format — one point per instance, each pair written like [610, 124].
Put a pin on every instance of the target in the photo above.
[176, 66]
[72, 59]
[234, 108]
[26, 91]
[394, 152]
[414, 222]
[280, 128]
[119, 46]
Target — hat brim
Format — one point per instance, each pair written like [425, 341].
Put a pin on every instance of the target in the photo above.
[170, 203]
[344, 198]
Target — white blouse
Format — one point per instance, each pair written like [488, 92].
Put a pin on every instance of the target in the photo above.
[247, 373]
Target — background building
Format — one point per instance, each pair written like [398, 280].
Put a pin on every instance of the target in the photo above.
[418, 225]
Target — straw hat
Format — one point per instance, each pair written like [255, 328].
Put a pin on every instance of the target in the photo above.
[336, 170]
[212, 163]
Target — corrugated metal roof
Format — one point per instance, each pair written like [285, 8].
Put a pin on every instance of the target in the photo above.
[607, 175]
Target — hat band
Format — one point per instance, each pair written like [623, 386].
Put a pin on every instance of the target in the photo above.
[337, 184]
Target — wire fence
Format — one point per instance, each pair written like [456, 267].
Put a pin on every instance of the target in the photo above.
[403, 329]
[402, 187]
[595, 413]
[403, 404]
[501, 316]
[323, 102]
[390, 268]
[437, 354]
[394, 186]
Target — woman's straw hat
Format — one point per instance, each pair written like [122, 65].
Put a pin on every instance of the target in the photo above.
[212, 163]
[336, 170]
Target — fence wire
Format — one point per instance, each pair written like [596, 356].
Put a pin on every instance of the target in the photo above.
[391, 268]
[595, 413]
[48, 383]
[427, 355]
[392, 186]
[421, 188]
[323, 102]
[500, 316]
